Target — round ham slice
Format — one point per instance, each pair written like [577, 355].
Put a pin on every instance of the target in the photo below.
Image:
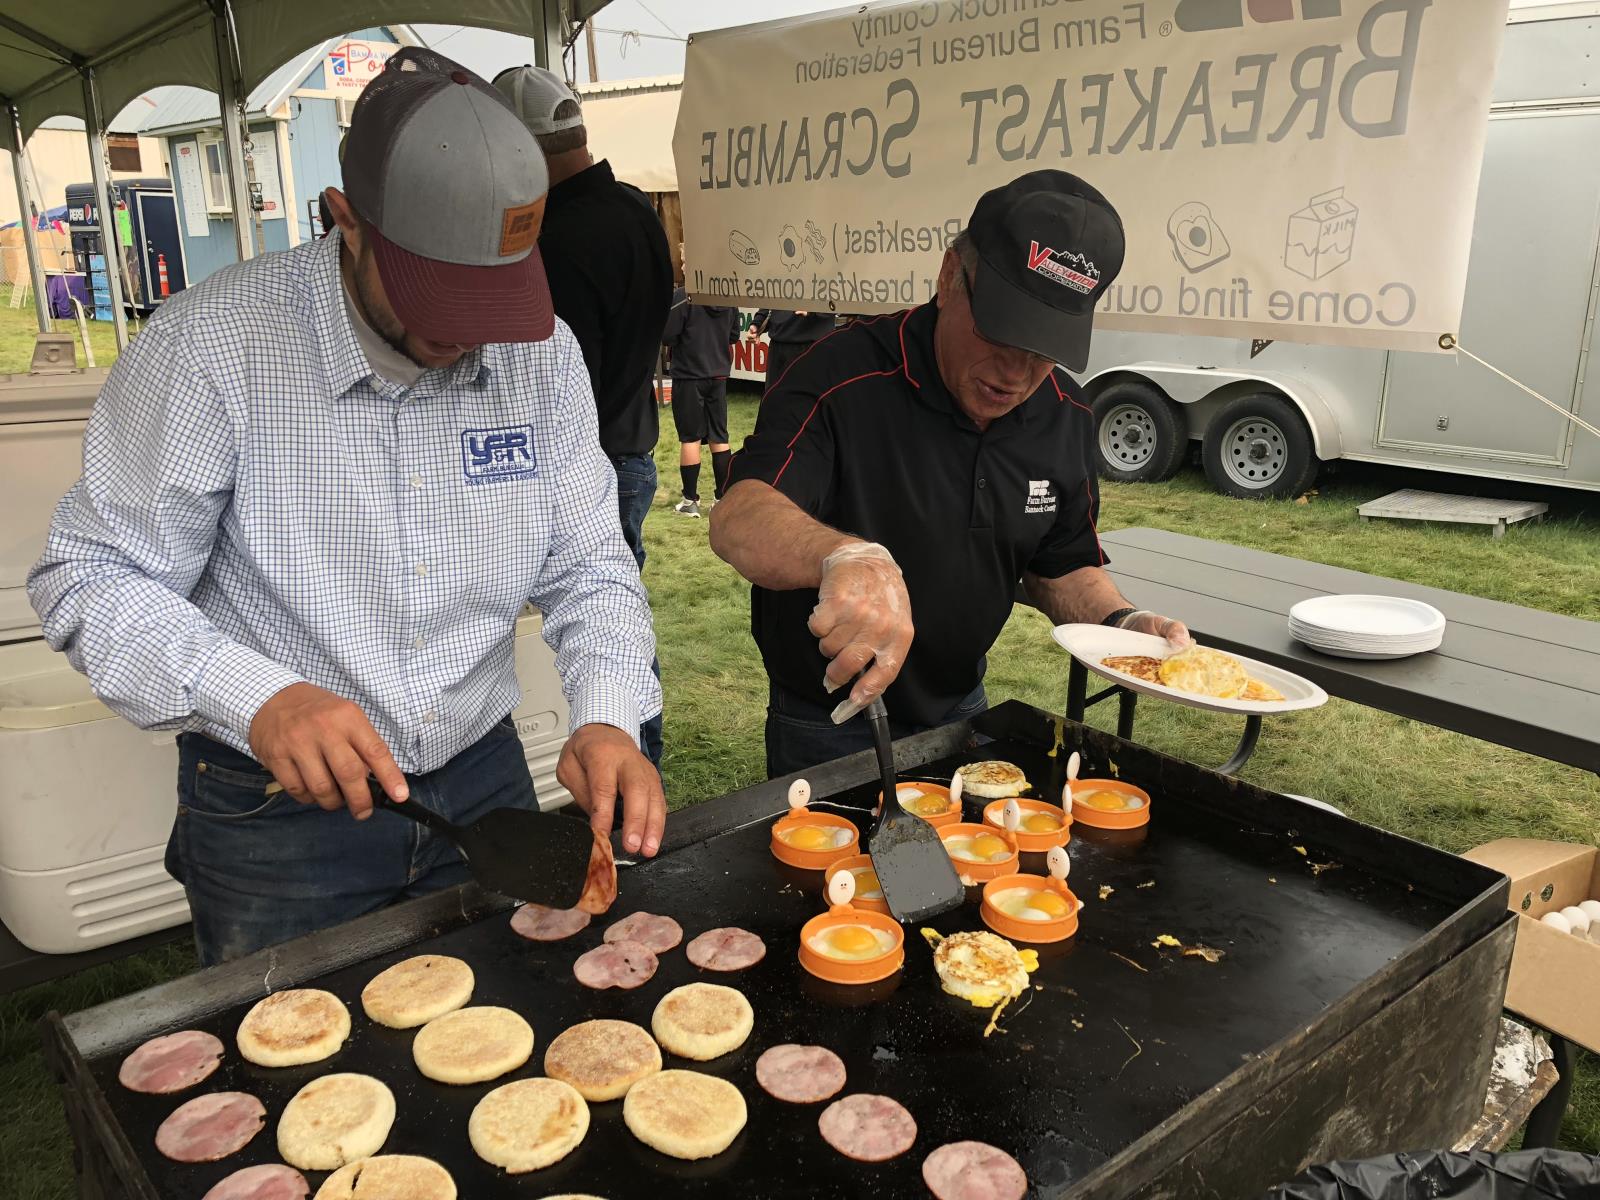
[171, 1063]
[600, 886]
[973, 1171]
[623, 964]
[271, 1181]
[540, 924]
[800, 1074]
[210, 1127]
[726, 949]
[659, 933]
[867, 1128]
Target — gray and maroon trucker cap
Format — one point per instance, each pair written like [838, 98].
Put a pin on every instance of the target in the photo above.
[452, 187]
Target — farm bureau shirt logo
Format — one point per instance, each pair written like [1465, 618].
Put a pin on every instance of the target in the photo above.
[494, 455]
[1064, 266]
[1194, 16]
[1041, 497]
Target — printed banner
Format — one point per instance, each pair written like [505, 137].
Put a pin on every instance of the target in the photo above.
[351, 65]
[1300, 170]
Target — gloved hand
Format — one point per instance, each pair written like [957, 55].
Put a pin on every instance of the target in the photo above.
[1145, 621]
[862, 619]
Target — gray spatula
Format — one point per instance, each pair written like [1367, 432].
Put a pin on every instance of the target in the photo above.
[918, 879]
[527, 855]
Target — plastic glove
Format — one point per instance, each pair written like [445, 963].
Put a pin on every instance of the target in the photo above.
[1145, 621]
[862, 622]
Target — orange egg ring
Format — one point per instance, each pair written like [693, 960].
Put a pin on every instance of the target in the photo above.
[1038, 932]
[1031, 843]
[846, 864]
[859, 970]
[949, 816]
[811, 860]
[1131, 819]
[977, 870]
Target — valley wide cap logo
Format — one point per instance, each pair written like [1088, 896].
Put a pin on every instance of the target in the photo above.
[1064, 266]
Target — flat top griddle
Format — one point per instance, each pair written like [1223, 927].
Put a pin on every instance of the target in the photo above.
[1117, 1037]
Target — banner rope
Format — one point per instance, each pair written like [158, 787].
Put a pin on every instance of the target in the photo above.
[1450, 343]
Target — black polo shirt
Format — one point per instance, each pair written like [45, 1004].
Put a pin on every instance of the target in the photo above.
[610, 274]
[863, 435]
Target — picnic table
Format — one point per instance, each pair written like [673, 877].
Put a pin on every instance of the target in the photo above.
[1514, 676]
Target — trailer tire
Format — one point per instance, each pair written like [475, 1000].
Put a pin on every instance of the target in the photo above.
[1140, 436]
[1258, 447]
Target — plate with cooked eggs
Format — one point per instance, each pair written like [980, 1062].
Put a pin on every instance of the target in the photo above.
[1199, 676]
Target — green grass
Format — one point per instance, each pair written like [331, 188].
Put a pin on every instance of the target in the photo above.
[1438, 787]
[19, 325]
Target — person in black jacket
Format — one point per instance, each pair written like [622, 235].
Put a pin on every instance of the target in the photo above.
[789, 335]
[700, 338]
[610, 271]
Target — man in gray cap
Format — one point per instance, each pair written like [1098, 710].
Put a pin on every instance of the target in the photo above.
[318, 490]
[610, 273]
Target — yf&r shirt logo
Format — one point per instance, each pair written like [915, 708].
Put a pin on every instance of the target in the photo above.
[493, 455]
[1041, 497]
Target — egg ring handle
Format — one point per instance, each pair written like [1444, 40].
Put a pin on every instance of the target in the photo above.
[842, 889]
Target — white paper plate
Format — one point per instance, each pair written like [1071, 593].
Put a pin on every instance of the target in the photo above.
[1091, 643]
[1369, 619]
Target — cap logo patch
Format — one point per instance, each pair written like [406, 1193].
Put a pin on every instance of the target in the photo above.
[1064, 267]
[519, 229]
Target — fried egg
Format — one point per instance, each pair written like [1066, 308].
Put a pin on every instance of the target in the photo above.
[851, 943]
[980, 848]
[814, 837]
[924, 804]
[982, 968]
[867, 885]
[1041, 822]
[1204, 672]
[1031, 904]
[1108, 801]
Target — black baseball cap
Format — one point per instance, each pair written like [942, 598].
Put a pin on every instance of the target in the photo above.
[1048, 245]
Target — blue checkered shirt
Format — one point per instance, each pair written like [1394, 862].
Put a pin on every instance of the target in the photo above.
[258, 508]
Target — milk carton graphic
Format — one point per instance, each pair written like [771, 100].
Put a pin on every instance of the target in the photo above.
[1321, 235]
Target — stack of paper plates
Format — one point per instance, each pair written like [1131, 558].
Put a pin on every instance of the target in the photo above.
[1367, 626]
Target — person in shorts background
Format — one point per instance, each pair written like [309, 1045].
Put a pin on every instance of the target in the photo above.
[699, 340]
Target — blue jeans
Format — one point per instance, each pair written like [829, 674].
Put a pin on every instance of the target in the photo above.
[636, 488]
[801, 734]
[262, 869]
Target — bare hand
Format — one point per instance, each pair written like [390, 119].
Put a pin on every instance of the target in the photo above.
[1176, 632]
[601, 762]
[321, 748]
[862, 617]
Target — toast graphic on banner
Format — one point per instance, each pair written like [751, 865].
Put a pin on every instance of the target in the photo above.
[1197, 241]
[1321, 235]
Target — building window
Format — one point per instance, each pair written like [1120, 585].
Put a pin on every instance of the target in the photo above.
[123, 151]
[214, 172]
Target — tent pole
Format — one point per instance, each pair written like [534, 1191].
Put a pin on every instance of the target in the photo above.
[104, 201]
[227, 50]
[550, 38]
[29, 222]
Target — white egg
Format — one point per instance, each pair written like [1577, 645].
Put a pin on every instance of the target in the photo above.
[858, 942]
[1557, 922]
[1577, 918]
[1592, 907]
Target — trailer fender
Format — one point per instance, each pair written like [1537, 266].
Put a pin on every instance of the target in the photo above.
[1188, 385]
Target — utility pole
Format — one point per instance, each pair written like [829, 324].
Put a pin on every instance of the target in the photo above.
[588, 39]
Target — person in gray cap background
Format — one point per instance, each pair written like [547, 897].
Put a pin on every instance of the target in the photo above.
[923, 463]
[605, 254]
[317, 492]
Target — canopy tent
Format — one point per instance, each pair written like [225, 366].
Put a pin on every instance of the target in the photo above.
[630, 125]
[94, 57]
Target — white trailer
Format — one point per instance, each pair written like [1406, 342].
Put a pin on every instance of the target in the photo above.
[1266, 418]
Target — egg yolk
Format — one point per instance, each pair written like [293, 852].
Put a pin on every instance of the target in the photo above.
[1049, 902]
[809, 837]
[1104, 801]
[986, 845]
[852, 939]
[1041, 823]
[867, 882]
[928, 806]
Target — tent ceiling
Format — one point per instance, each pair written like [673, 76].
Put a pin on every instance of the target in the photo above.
[135, 45]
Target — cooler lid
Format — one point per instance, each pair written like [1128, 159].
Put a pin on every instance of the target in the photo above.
[40, 690]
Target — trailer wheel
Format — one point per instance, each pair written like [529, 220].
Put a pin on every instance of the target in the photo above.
[1257, 447]
[1140, 434]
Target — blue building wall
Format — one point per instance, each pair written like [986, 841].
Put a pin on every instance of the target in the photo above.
[314, 135]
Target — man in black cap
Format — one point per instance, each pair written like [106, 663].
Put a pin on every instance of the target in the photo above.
[910, 469]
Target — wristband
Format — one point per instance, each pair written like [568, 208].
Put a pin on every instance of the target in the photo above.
[1115, 619]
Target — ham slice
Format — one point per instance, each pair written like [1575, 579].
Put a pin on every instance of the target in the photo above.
[600, 888]
[867, 1128]
[210, 1127]
[973, 1171]
[622, 964]
[271, 1181]
[540, 924]
[726, 949]
[171, 1063]
[659, 933]
[800, 1074]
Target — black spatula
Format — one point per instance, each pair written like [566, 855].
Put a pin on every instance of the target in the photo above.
[918, 879]
[527, 855]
